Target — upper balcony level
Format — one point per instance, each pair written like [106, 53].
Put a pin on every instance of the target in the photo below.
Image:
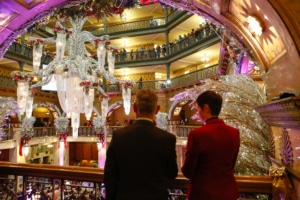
[204, 38]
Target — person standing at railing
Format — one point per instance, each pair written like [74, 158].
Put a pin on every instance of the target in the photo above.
[131, 55]
[158, 49]
[141, 157]
[211, 153]
[140, 83]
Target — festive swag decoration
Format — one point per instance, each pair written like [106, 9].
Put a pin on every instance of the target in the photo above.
[240, 95]
[99, 130]
[26, 132]
[61, 125]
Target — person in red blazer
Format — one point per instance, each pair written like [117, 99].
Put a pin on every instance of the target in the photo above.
[141, 158]
[211, 154]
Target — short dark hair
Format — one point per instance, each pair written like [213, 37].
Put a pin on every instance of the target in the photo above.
[146, 101]
[212, 99]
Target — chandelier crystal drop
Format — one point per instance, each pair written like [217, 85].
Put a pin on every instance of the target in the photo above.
[104, 108]
[37, 55]
[29, 103]
[126, 94]
[76, 72]
[22, 93]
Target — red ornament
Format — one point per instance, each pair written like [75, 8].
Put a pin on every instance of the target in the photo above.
[118, 10]
[34, 90]
[56, 28]
[17, 76]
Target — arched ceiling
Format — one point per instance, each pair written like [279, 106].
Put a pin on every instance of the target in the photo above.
[17, 15]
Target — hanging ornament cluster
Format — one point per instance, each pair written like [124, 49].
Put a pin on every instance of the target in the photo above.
[61, 125]
[26, 133]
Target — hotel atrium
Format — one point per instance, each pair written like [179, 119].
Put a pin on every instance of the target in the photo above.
[82, 62]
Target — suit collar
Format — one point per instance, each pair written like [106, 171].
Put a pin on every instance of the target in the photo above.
[142, 121]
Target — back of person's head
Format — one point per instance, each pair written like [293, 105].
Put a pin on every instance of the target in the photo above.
[146, 101]
[212, 99]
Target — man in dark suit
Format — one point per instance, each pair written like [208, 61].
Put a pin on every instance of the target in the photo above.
[211, 154]
[141, 157]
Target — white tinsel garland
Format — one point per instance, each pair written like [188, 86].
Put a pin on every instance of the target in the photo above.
[98, 125]
[27, 127]
[61, 124]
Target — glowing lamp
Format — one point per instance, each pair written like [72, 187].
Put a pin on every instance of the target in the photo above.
[254, 25]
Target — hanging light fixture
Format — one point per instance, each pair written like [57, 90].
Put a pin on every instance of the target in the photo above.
[205, 58]
[126, 94]
[77, 73]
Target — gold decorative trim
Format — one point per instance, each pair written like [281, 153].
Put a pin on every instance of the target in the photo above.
[6, 20]
[204, 2]
[30, 5]
[241, 29]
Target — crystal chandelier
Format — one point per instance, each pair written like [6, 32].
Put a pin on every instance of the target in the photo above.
[76, 73]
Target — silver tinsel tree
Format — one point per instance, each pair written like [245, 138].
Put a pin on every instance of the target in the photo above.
[240, 95]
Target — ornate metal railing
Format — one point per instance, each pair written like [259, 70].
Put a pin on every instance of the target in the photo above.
[208, 72]
[174, 48]
[154, 85]
[7, 81]
[175, 14]
[24, 181]
[194, 76]
[17, 48]
[86, 131]
[142, 24]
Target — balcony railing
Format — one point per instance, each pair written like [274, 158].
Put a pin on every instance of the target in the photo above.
[142, 24]
[208, 72]
[86, 131]
[21, 181]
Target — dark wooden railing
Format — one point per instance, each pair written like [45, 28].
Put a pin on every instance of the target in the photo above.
[67, 179]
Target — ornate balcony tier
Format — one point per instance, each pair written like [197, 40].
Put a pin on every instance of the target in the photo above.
[283, 113]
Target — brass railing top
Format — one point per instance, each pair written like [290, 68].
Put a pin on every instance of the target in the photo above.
[246, 184]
